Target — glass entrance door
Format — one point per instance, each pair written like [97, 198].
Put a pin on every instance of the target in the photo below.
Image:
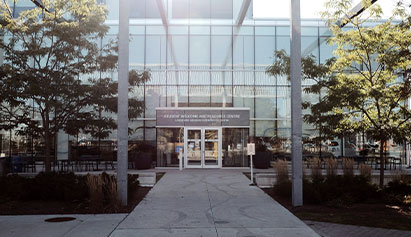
[203, 148]
[194, 149]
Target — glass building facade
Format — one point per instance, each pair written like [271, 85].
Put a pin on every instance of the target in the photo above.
[204, 57]
[214, 54]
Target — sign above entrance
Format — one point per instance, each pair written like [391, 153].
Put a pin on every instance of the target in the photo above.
[225, 117]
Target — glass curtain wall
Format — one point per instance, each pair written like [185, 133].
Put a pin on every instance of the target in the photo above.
[202, 58]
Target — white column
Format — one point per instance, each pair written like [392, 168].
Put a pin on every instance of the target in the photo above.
[296, 120]
[62, 145]
[122, 121]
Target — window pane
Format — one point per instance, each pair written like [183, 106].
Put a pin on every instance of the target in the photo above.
[265, 102]
[326, 50]
[153, 100]
[222, 9]
[152, 10]
[265, 30]
[200, 30]
[180, 8]
[234, 147]
[167, 140]
[283, 43]
[177, 94]
[244, 97]
[283, 30]
[309, 31]
[178, 51]
[200, 9]
[137, 51]
[309, 46]
[155, 52]
[137, 9]
[283, 102]
[200, 96]
[264, 51]
[220, 96]
[200, 77]
[221, 77]
[199, 52]
[221, 52]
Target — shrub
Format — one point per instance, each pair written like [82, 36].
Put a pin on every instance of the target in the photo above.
[45, 186]
[348, 166]
[95, 187]
[315, 165]
[365, 171]
[109, 188]
[60, 186]
[100, 189]
[13, 187]
[281, 167]
[283, 189]
[331, 166]
[338, 190]
[133, 184]
[397, 192]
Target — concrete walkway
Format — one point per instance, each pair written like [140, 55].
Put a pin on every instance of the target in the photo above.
[83, 225]
[209, 203]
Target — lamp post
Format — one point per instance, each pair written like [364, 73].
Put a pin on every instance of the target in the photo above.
[122, 119]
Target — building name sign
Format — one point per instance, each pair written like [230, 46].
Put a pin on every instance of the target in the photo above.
[203, 117]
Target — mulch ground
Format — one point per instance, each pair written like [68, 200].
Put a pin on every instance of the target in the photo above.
[373, 213]
[11, 207]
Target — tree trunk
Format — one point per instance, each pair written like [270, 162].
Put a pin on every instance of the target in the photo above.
[382, 163]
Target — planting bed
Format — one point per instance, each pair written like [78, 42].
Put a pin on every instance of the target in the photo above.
[75, 201]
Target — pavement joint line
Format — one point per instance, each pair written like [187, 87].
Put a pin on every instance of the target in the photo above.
[71, 229]
[211, 208]
[115, 228]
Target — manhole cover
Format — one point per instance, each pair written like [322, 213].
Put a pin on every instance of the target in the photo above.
[60, 219]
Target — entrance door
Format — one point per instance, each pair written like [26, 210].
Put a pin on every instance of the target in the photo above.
[203, 148]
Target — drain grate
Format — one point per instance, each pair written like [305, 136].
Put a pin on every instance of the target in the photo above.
[60, 219]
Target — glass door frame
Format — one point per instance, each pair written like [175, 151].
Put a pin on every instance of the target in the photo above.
[203, 164]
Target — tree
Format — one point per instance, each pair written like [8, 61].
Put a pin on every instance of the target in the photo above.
[319, 73]
[46, 55]
[367, 92]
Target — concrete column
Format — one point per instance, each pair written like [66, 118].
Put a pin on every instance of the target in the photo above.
[122, 120]
[62, 145]
[296, 119]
